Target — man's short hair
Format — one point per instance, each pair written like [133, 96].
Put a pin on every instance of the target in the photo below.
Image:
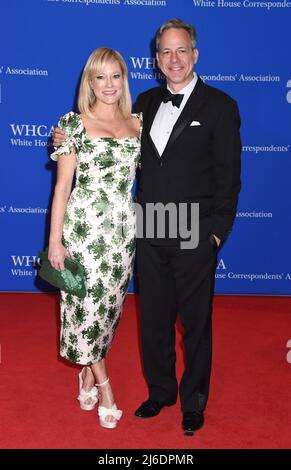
[176, 23]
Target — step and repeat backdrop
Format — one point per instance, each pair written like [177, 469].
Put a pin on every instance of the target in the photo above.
[244, 50]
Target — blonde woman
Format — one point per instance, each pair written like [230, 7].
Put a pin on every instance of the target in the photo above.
[94, 223]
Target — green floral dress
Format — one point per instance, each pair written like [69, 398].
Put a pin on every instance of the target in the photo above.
[99, 231]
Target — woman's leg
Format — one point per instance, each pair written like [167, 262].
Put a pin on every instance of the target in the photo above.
[87, 390]
[88, 378]
[106, 398]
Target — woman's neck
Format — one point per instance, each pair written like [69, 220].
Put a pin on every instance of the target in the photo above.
[106, 112]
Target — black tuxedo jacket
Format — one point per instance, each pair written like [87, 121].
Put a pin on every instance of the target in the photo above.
[201, 163]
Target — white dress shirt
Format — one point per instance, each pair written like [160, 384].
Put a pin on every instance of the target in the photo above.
[167, 116]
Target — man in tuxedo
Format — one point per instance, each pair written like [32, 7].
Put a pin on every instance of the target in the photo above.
[190, 154]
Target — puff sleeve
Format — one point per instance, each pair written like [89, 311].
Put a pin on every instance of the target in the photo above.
[70, 123]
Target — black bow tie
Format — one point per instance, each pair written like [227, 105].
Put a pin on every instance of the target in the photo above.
[168, 96]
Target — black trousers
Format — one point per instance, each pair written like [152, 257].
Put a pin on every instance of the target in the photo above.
[173, 281]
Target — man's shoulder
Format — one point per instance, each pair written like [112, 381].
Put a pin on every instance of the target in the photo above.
[145, 98]
[149, 93]
[218, 96]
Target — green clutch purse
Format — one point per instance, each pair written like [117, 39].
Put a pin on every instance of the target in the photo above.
[71, 280]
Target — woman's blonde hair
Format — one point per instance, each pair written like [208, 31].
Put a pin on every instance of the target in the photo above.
[94, 66]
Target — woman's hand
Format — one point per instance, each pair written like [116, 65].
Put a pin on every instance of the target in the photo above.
[58, 137]
[56, 255]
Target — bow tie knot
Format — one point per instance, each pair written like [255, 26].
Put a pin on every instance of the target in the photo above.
[175, 98]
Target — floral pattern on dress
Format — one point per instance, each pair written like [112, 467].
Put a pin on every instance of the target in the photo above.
[99, 231]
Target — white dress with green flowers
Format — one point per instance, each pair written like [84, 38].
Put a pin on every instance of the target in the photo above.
[99, 231]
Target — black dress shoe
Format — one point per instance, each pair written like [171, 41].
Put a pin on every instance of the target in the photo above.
[149, 408]
[192, 420]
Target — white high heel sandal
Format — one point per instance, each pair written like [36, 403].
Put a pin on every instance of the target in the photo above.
[92, 395]
[103, 413]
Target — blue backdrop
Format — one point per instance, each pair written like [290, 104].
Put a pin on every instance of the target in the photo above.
[244, 50]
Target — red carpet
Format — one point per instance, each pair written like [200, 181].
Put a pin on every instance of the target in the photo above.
[249, 404]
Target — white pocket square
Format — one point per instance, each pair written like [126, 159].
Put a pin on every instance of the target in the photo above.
[195, 123]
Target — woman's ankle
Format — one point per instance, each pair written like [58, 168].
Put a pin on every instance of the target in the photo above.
[88, 379]
[106, 397]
